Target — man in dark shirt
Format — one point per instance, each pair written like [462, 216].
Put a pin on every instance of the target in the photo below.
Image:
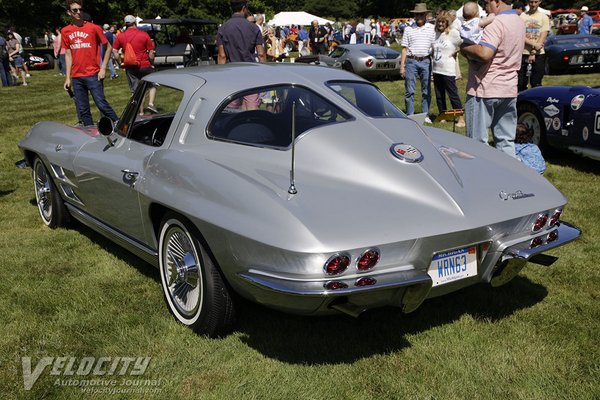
[239, 40]
[317, 37]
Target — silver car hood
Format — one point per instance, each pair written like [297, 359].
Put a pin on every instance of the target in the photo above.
[353, 192]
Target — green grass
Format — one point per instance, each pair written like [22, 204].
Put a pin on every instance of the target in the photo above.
[72, 293]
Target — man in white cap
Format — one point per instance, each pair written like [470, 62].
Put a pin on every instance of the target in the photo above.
[416, 59]
[143, 48]
[585, 22]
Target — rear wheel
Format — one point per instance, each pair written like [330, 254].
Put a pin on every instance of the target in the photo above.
[347, 66]
[194, 289]
[530, 116]
[50, 205]
[290, 46]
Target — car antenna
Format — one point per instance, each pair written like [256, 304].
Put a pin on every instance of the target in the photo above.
[292, 188]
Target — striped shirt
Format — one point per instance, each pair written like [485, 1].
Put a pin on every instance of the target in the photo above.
[418, 39]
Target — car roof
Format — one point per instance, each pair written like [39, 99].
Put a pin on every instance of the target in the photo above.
[234, 77]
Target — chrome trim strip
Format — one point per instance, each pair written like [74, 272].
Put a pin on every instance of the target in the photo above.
[566, 234]
[315, 288]
[139, 249]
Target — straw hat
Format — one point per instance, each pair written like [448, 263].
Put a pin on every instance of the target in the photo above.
[420, 8]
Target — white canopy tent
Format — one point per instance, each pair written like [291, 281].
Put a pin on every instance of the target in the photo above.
[286, 18]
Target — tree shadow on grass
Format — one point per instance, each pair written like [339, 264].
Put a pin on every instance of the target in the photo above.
[6, 192]
[341, 339]
[568, 159]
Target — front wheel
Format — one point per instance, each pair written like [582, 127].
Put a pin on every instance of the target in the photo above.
[194, 289]
[530, 116]
[50, 205]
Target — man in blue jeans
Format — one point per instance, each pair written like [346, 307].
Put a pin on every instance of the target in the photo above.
[416, 60]
[4, 64]
[81, 40]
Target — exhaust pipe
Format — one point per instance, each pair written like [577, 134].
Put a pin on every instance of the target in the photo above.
[345, 307]
[506, 270]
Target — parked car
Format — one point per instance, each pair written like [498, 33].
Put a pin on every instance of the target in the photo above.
[366, 60]
[564, 117]
[182, 42]
[36, 62]
[566, 54]
[325, 198]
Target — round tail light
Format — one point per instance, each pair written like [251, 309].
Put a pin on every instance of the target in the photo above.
[369, 63]
[540, 222]
[365, 281]
[337, 264]
[552, 236]
[368, 260]
[335, 285]
[536, 242]
[555, 217]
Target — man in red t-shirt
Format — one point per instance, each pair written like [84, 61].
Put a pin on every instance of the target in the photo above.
[144, 53]
[81, 41]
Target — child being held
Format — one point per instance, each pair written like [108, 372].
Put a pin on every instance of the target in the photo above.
[526, 151]
[471, 29]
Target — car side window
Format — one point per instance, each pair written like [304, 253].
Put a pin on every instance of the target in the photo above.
[150, 114]
[264, 116]
[367, 98]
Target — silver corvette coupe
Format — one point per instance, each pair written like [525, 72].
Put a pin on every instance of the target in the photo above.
[366, 60]
[304, 189]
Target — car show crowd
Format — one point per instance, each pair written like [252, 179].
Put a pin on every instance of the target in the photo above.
[502, 42]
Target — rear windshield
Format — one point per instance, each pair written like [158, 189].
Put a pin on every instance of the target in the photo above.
[382, 53]
[367, 98]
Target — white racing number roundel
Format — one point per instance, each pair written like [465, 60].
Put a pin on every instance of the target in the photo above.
[406, 152]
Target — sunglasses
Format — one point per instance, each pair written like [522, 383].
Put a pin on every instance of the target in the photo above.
[76, 10]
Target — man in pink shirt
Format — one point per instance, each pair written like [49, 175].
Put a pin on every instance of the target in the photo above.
[493, 77]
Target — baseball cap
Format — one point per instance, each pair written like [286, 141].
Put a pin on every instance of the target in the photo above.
[130, 19]
[584, 8]
[105, 27]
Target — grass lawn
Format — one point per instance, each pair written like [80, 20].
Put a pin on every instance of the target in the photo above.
[71, 293]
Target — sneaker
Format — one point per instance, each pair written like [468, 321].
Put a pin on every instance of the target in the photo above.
[460, 124]
[27, 76]
[25, 84]
[114, 76]
[428, 120]
[152, 109]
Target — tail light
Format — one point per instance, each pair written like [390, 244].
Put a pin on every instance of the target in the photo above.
[552, 236]
[368, 260]
[369, 63]
[540, 222]
[555, 217]
[536, 242]
[337, 264]
[365, 281]
[335, 285]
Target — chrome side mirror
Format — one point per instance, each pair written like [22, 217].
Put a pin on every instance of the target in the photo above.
[106, 128]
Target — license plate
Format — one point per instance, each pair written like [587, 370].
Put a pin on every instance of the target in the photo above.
[385, 65]
[453, 265]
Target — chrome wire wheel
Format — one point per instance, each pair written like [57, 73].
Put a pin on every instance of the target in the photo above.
[532, 121]
[43, 191]
[529, 115]
[180, 271]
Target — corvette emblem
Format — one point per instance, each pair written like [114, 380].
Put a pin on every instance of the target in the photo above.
[406, 152]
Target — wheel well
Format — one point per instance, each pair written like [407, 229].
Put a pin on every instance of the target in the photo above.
[157, 214]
